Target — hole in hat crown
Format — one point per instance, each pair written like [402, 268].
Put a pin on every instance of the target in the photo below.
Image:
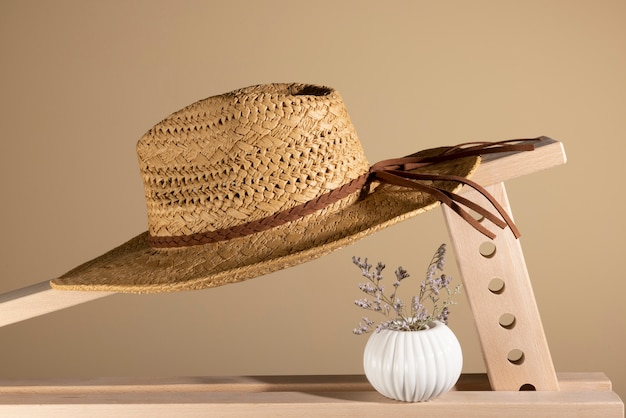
[309, 90]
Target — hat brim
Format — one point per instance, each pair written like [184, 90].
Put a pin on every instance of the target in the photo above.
[136, 267]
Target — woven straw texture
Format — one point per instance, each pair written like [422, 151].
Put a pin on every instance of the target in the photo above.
[241, 157]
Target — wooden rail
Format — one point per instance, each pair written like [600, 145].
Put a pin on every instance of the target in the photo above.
[583, 395]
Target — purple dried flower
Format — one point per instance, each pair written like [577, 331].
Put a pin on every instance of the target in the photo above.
[363, 327]
[401, 274]
[445, 280]
[368, 288]
[419, 315]
[363, 303]
[443, 316]
[379, 271]
[398, 305]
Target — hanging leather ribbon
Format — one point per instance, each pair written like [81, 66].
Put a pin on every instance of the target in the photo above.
[397, 172]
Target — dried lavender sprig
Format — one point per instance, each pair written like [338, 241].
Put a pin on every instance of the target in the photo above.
[430, 289]
[381, 302]
[364, 327]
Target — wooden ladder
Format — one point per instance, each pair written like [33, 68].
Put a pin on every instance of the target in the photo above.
[521, 379]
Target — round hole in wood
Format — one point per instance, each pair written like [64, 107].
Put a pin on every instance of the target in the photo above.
[516, 356]
[496, 286]
[507, 321]
[487, 249]
[527, 386]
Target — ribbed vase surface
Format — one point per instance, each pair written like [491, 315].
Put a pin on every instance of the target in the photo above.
[413, 366]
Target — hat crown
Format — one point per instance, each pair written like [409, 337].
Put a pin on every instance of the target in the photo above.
[245, 155]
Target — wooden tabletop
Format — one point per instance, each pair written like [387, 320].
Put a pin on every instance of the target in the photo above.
[581, 395]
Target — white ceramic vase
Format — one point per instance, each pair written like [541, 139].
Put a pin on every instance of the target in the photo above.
[413, 366]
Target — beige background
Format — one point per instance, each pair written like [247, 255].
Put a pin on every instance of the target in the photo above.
[81, 81]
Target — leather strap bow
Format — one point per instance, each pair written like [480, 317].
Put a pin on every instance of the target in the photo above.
[398, 172]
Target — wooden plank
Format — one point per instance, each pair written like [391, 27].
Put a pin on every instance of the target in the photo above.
[498, 168]
[507, 319]
[569, 382]
[195, 397]
[39, 299]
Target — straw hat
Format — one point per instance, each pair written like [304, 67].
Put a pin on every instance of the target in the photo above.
[259, 179]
